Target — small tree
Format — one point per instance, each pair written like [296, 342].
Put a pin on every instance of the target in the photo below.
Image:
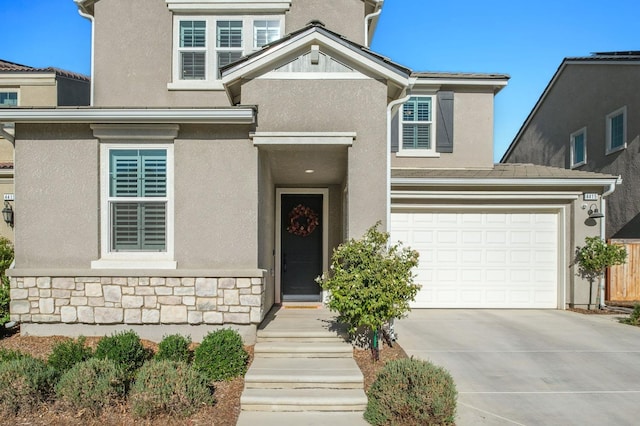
[6, 257]
[595, 257]
[370, 282]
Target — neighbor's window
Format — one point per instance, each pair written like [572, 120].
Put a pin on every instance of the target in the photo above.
[8, 99]
[138, 199]
[579, 148]
[417, 123]
[617, 130]
[193, 50]
[229, 43]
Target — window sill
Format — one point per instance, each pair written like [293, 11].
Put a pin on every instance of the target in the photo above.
[613, 150]
[577, 165]
[133, 262]
[417, 153]
[195, 85]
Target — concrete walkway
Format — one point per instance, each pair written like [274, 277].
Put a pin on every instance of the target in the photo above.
[532, 367]
[303, 373]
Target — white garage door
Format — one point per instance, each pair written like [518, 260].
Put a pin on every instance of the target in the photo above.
[482, 259]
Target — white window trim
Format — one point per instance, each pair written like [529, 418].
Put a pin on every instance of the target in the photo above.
[623, 111]
[431, 152]
[572, 147]
[134, 260]
[211, 81]
[11, 90]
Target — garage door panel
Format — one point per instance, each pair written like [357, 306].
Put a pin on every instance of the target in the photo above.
[482, 259]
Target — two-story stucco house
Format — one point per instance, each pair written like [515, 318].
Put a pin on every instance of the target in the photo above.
[587, 119]
[232, 145]
[21, 85]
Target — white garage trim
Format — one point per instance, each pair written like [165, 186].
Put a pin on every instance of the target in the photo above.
[505, 296]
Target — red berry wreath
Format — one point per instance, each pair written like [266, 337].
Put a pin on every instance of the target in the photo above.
[302, 221]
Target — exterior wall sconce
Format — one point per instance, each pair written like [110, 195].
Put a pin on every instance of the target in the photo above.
[594, 213]
[7, 214]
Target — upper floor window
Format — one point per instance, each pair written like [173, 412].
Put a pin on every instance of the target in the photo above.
[579, 148]
[8, 99]
[417, 124]
[204, 44]
[617, 130]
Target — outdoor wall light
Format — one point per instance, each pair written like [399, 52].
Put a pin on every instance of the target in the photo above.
[594, 213]
[7, 214]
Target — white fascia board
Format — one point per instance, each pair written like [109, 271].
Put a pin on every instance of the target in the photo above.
[486, 195]
[245, 69]
[190, 116]
[228, 6]
[481, 82]
[303, 138]
[502, 182]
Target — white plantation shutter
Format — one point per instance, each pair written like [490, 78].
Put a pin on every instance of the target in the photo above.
[416, 123]
[138, 190]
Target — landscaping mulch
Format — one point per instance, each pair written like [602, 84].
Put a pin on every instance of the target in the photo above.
[224, 412]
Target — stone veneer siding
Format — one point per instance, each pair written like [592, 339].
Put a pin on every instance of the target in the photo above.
[137, 300]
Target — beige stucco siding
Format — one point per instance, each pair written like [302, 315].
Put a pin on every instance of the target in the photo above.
[472, 133]
[582, 96]
[38, 96]
[334, 106]
[346, 17]
[216, 204]
[57, 204]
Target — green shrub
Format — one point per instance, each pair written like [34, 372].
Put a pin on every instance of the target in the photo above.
[412, 392]
[169, 387]
[634, 318]
[65, 355]
[24, 384]
[221, 355]
[174, 348]
[125, 349]
[6, 257]
[92, 385]
[10, 355]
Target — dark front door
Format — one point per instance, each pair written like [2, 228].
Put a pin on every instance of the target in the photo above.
[301, 250]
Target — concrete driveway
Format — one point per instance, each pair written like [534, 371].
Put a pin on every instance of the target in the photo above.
[532, 367]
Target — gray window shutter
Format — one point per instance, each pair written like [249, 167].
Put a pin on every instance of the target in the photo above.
[444, 124]
[395, 130]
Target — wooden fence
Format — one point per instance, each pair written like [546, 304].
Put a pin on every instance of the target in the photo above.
[623, 281]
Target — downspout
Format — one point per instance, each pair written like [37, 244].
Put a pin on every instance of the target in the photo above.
[603, 224]
[368, 18]
[82, 11]
[390, 107]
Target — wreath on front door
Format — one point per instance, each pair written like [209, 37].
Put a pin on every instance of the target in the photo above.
[302, 221]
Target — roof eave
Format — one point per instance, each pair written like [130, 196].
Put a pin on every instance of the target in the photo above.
[504, 182]
[240, 115]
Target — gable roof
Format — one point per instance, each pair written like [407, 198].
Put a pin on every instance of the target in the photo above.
[261, 61]
[12, 67]
[631, 57]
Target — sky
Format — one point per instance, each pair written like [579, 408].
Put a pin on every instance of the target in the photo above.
[524, 39]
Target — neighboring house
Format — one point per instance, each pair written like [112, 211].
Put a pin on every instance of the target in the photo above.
[232, 145]
[23, 86]
[588, 119]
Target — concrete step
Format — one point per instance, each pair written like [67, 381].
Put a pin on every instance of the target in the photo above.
[302, 350]
[307, 418]
[303, 400]
[298, 336]
[298, 373]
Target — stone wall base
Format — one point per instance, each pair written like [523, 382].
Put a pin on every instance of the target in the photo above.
[154, 333]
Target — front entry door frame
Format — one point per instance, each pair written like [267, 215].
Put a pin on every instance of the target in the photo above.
[325, 230]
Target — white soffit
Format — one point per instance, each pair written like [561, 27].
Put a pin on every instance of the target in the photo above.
[108, 115]
[303, 138]
[228, 6]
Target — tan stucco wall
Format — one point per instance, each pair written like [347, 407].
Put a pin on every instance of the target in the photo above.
[56, 208]
[582, 96]
[334, 106]
[216, 198]
[346, 17]
[472, 135]
[6, 187]
[38, 96]
[266, 226]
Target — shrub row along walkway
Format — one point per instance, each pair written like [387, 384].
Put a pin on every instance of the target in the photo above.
[303, 372]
